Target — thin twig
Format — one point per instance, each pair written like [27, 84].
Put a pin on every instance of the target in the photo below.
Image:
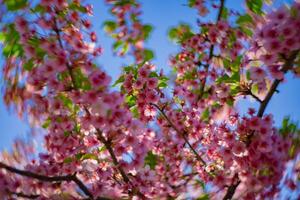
[287, 65]
[44, 178]
[181, 133]
[20, 194]
[211, 54]
[106, 143]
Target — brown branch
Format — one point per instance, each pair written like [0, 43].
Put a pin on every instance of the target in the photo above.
[231, 190]
[181, 133]
[44, 178]
[20, 194]
[106, 143]
[285, 68]
[255, 97]
[211, 53]
[287, 65]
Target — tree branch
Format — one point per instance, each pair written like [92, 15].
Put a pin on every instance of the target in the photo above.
[211, 53]
[106, 143]
[287, 65]
[43, 178]
[183, 134]
[27, 196]
[231, 190]
[285, 68]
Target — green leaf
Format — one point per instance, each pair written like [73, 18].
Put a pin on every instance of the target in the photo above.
[13, 5]
[67, 133]
[288, 127]
[2, 37]
[130, 100]
[181, 33]
[173, 34]
[151, 160]
[148, 54]
[230, 102]
[66, 102]
[234, 89]
[153, 74]
[85, 156]
[109, 26]
[147, 29]
[117, 45]
[244, 19]
[205, 115]
[46, 123]
[101, 149]
[134, 111]
[234, 78]
[89, 156]
[192, 3]
[162, 84]
[12, 50]
[68, 160]
[255, 6]
[38, 9]
[121, 79]
[125, 48]
[77, 7]
[235, 66]
[224, 14]
[124, 2]
[78, 156]
[81, 81]
[201, 183]
[28, 65]
[203, 197]
[254, 88]
[223, 79]
[247, 31]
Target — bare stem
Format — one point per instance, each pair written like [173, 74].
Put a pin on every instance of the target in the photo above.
[181, 133]
[287, 65]
[26, 196]
[211, 53]
[67, 178]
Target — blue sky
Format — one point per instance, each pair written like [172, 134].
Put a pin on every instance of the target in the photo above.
[162, 14]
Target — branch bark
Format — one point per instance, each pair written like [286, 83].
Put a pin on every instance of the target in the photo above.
[27, 196]
[183, 134]
[100, 137]
[285, 68]
[211, 53]
[287, 65]
[44, 178]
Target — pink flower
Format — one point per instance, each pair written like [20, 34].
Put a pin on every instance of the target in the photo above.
[139, 84]
[273, 45]
[265, 146]
[93, 37]
[21, 25]
[238, 148]
[257, 74]
[143, 72]
[275, 72]
[291, 43]
[254, 123]
[150, 111]
[152, 83]
[269, 59]
[223, 91]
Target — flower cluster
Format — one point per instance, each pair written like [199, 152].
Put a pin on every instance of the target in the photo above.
[142, 142]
